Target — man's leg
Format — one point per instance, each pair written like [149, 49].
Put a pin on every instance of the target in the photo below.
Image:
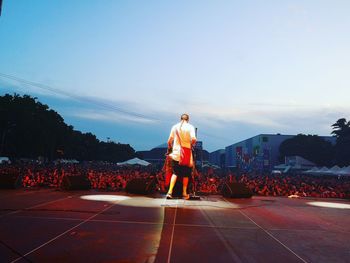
[184, 186]
[172, 183]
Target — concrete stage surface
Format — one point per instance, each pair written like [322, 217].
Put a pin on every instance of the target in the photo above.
[87, 226]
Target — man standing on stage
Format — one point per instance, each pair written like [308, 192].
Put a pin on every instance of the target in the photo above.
[182, 135]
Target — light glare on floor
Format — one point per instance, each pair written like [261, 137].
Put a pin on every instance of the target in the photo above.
[330, 205]
[106, 198]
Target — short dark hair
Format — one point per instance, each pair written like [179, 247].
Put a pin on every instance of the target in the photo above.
[185, 117]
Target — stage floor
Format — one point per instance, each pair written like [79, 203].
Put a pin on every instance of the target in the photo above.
[86, 226]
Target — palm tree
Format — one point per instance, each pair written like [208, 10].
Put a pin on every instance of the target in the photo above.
[341, 128]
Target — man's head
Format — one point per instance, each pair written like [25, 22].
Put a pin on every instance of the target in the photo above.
[185, 117]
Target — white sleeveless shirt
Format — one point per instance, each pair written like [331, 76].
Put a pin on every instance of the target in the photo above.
[186, 132]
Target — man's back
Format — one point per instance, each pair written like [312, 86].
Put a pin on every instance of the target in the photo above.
[187, 134]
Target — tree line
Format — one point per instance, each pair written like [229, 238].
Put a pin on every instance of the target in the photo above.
[30, 129]
[321, 152]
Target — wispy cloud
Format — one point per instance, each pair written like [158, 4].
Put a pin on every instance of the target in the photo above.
[124, 109]
[12, 85]
[107, 116]
[219, 124]
[273, 117]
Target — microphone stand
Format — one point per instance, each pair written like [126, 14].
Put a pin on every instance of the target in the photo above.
[194, 196]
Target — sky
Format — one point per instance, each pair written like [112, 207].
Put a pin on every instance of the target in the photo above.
[127, 70]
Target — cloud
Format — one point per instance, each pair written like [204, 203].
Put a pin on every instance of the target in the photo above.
[12, 85]
[125, 110]
[219, 124]
[286, 117]
[107, 116]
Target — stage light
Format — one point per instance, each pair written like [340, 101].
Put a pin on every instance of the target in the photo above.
[330, 205]
[105, 198]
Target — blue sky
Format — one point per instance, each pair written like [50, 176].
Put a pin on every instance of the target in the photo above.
[127, 69]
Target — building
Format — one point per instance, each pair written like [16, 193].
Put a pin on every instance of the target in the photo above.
[260, 152]
[217, 158]
[155, 156]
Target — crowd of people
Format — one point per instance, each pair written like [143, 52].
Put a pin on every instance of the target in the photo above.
[298, 185]
[110, 177]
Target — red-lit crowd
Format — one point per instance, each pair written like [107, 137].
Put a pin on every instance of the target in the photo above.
[298, 185]
[108, 177]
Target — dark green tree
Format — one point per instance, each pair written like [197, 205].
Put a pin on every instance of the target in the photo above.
[311, 147]
[29, 129]
[341, 130]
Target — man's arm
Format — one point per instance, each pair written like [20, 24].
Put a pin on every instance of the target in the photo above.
[193, 137]
[171, 139]
[193, 141]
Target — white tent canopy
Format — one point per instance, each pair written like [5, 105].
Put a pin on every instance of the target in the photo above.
[4, 159]
[312, 170]
[324, 170]
[296, 163]
[335, 170]
[66, 161]
[135, 161]
[344, 171]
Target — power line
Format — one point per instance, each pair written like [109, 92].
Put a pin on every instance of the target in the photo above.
[77, 97]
